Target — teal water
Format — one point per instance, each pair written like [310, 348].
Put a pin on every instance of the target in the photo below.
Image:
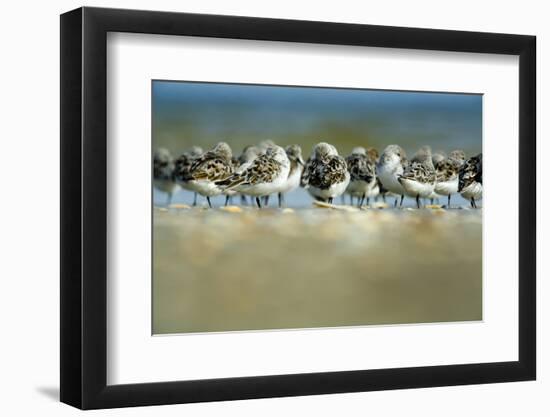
[186, 114]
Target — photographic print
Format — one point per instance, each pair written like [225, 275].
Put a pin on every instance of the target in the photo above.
[297, 207]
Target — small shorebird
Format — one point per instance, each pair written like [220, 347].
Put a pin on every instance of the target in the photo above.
[163, 170]
[446, 174]
[249, 153]
[418, 179]
[214, 165]
[327, 174]
[262, 147]
[470, 179]
[308, 166]
[246, 157]
[391, 165]
[362, 171]
[265, 144]
[183, 165]
[374, 192]
[438, 156]
[267, 174]
[294, 154]
[229, 194]
[381, 189]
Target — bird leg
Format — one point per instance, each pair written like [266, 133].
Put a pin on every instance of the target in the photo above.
[258, 202]
[401, 202]
[226, 200]
[330, 200]
[281, 199]
[417, 201]
[361, 200]
[449, 201]
[195, 200]
[209, 203]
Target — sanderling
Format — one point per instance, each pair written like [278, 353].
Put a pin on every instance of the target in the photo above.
[446, 174]
[183, 165]
[382, 191]
[265, 144]
[230, 193]
[246, 157]
[470, 183]
[163, 170]
[327, 175]
[267, 174]
[249, 153]
[391, 165]
[212, 166]
[362, 170]
[294, 154]
[438, 156]
[418, 179]
[374, 192]
[321, 150]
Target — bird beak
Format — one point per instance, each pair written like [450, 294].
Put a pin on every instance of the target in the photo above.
[300, 161]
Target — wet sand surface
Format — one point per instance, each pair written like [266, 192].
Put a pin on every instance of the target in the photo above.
[250, 269]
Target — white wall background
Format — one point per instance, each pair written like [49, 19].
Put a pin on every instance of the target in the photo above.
[29, 225]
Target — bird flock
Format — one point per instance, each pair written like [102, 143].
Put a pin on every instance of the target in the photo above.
[268, 169]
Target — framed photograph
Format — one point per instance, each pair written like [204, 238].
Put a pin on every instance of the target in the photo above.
[258, 208]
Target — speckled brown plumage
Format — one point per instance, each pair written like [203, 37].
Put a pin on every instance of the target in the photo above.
[163, 165]
[214, 165]
[420, 172]
[309, 167]
[447, 169]
[470, 172]
[361, 167]
[263, 169]
[183, 167]
[329, 171]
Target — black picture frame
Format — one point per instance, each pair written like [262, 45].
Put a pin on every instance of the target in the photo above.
[84, 207]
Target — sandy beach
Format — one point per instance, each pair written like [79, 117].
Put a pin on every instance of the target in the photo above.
[248, 269]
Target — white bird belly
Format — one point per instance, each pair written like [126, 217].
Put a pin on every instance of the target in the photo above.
[415, 188]
[447, 187]
[373, 191]
[389, 180]
[333, 191]
[266, 188]
[474, 190]
[359, 187]
[292, 182]
[204, 187]
[166, 186]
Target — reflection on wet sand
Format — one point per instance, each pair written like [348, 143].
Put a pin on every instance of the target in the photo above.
[246, 269]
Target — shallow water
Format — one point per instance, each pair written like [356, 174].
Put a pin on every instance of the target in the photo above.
[216, 270]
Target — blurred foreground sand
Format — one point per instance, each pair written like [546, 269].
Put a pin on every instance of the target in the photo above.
[222, 270]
